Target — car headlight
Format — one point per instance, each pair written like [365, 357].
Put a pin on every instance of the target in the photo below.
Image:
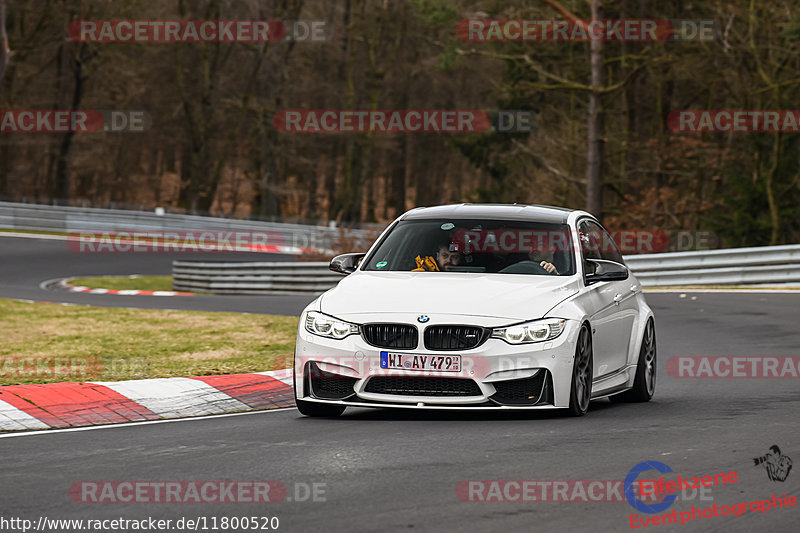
[536, 331]
[328, 326]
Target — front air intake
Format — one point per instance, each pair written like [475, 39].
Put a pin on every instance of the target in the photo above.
[422, 386]
[527, 391]
[327, 385]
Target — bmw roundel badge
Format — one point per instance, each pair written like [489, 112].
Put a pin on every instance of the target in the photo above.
[423, 318]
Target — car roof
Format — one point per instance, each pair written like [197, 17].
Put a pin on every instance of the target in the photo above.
[537, 213]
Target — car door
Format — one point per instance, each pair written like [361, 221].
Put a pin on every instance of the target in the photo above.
[624, 297]
[612, 303]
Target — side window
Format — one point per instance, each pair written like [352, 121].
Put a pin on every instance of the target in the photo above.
[591, 240]
[609, 250]
[599, 242]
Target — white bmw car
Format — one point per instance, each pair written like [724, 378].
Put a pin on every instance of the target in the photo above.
[472, 306]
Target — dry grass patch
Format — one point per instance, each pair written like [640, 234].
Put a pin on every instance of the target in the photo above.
[50, 343]
[125, 283]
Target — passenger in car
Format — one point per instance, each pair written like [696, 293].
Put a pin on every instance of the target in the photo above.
[444, 260]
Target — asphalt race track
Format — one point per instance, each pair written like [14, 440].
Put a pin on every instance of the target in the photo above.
[398, 470]
[27, 262]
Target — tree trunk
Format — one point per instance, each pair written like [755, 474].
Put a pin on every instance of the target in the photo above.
[398, 178]
[774, 210]
[594, 148]
[5, 51]
[63, 185]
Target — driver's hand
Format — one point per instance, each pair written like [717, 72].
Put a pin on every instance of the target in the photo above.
[550, 267]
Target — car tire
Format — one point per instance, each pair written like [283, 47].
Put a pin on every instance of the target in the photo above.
[320, 410]
[580, 390]
[644, 384]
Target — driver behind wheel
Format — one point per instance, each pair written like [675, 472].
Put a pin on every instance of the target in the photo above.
[544, 258]
[537, 260]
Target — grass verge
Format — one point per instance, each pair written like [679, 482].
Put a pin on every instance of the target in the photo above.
[45, 343]
[141, 283]
[33, 231]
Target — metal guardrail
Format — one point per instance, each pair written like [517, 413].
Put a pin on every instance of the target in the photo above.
[64, 219]
[732, 266]
[738, 266]
[252, 277]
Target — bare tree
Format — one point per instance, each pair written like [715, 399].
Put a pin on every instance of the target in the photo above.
[594, 141]
[5, 51]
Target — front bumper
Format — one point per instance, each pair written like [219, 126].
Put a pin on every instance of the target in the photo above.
[433, 406]
[500, 375]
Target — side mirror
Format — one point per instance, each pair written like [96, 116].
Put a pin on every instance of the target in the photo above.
[602, 270]
[346, 263]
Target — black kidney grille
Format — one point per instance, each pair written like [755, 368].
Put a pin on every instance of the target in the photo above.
[403, 336]
[422, 386]
[454, 337]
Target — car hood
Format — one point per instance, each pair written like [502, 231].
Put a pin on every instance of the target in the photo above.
[510, 296]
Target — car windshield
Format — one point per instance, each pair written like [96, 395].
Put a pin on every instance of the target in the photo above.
[485, 246]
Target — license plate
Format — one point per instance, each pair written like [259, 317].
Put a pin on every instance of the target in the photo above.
[410, 361]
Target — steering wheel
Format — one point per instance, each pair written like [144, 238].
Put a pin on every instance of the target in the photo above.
[541, 270]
